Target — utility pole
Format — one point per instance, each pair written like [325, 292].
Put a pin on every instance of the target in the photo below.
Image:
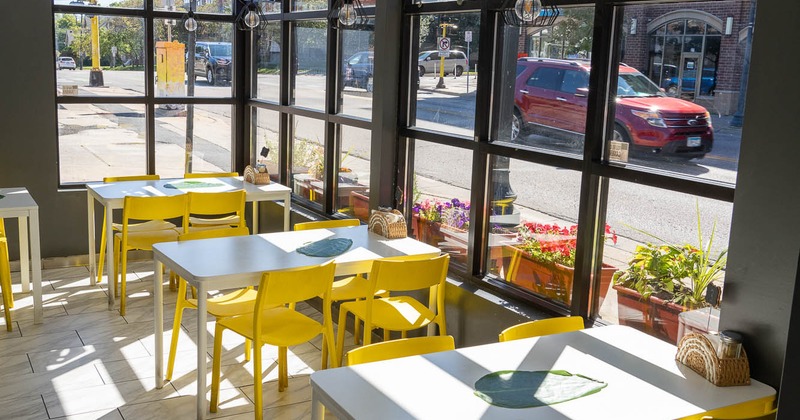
[96, 74]
[444, 26]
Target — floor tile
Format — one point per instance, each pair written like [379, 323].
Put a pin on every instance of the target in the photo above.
[75, 401]
[25, 407]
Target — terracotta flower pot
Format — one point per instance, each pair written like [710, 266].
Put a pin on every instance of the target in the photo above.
[665, 318]
[653, 315]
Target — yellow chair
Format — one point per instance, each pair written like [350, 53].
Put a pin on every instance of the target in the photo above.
[238, 302]
[771, 415]
[400, 348]
[117, 227]
[144, 209]
[5, 277]
[210, 174]
[542, 327]
[350, 288]
[280, 326]
[399, 313]
[211, 210]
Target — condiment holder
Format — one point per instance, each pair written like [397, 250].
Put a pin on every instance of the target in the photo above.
[720, 359]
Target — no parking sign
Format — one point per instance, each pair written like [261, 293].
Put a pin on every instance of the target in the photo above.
[444, 47]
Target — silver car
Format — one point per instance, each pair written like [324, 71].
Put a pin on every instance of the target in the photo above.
[429, 62]
[65, 63]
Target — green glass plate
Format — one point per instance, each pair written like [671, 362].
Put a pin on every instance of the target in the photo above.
[523, 389]
[326, 247]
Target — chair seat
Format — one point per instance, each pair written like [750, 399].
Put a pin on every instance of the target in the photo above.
[281, 327]
[145, 239]
[351, 288]
[234, 303]
[145, 226]
[396, 313]
[216, 221]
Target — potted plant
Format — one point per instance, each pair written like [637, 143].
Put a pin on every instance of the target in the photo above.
[543, 260]
[664, 280]
[443, 224]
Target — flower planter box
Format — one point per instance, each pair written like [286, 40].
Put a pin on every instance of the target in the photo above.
[654, 315]
[551, 280]
[360, 204]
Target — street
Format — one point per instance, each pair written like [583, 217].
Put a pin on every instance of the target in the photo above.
[543, 192]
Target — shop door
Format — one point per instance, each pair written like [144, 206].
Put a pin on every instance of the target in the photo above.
[691, 70]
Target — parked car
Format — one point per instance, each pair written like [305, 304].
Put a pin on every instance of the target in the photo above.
[553, 94]
[212, 60]
[429, 62]
[358, 70]
[66, 63]
[669, 79]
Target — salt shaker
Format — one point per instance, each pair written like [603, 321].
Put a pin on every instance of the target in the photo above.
[730, 345]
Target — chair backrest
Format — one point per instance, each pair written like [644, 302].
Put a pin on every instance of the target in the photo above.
[217, 203]
[409, 274]
[131, 178]
[214, 233]
[400, 348]
[327, 224]
[542, 327]
[153, 208]
[295, 285]
[210, 174]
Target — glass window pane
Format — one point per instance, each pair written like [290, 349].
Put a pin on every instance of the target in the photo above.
[268, 135]
[693, 127]
[674, 257]
[532, 227]
[193, 138]
[269, 62]
[357, 72]
[545, 84]
[353, 179]
[445, 97]
[442, 176]
[100, 140]
[303, 5]
[213, 59]
[127, 4]
[120, 62]
[308, 68]
[308, 158]
[199, 6]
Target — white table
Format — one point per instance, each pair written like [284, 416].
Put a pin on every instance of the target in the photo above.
[19, 203]
[111, 196]
[644, 381]
[224, 263]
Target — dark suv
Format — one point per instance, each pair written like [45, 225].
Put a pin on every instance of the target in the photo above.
[212, 60]
[358, 70]
[552, 94]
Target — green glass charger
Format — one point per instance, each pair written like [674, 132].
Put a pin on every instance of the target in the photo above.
[326, 247]
[190, 185]
[524, 389]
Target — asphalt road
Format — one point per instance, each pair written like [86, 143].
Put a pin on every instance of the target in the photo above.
[552, 192]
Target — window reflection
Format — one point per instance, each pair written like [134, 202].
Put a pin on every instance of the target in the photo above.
[308, 65]
[354, 170]
[308, 158]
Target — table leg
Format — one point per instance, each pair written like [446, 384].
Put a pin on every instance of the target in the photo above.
[90, 224]
[158, 323]
[202, 368]
[110, 282]
[287, 210]
[317, 409]
[24, 255]
[36, 254]
[255, 217]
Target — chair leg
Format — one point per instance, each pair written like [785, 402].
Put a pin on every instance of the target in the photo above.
[283, 369]
[257, 378]
[324, 364]
[215, 367]
[123, 287]
[117, 245]
[180, 305]
[102, 251]
[248, 349]
[342, 326]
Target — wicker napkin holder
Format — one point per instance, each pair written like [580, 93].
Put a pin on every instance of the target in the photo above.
[698, 353]
[390, 224]
[252, 176]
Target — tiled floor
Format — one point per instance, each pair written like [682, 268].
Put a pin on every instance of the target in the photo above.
[85, 362]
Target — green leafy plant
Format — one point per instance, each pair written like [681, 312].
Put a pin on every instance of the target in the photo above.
[681, 273]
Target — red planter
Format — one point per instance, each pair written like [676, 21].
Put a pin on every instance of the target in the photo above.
[654, 316]
[551, 280]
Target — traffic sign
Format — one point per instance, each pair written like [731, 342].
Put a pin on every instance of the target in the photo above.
[468, 36]
[444, 46]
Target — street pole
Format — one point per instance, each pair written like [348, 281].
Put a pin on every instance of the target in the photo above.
[96, 74]
[190, 47]
[738, 117]
[441, 85]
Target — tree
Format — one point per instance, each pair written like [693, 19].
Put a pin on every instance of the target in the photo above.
[574, 31]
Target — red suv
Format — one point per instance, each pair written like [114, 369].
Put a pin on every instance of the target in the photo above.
[552, 93]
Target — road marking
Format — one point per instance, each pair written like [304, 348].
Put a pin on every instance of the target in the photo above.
[723, 158]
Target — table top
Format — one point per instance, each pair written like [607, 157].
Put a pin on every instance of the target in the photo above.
[240, 261]
[644, 380]
[16, 199]
[113, 193]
